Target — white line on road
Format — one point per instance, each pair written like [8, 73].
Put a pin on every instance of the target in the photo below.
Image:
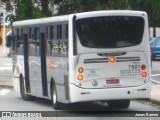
[155, 75]
[8, 64]
[5, 68]
[155, 81]
[4, 91]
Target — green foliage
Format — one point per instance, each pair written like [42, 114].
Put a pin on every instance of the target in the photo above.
[72, 6]
[9, 7]
[24, 9]
[154, 6]
[118, 4]
[36, 13]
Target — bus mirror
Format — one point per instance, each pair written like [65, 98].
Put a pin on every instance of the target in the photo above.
[8, 41]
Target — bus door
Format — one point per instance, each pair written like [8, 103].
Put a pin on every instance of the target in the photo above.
[26, 65]
[34, 62]
[43, 83]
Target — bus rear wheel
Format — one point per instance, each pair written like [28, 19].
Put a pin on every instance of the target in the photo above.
[55, 103]
[22, 91]
[118, 103]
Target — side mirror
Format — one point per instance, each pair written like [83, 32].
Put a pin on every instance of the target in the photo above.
[8, 41]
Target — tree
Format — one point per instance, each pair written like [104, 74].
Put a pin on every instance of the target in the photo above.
[74, 6]
[8, 5]
[23, 9]
[151, 7]
[45, 8]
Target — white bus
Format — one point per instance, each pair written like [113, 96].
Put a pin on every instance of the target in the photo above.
[91, 56]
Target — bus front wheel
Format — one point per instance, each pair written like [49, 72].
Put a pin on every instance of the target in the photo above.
[22, 91]
[55, 103]
[118, 103]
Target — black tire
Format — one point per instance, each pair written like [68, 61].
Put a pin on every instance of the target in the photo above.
[22, 91]
[118, 103]
[55, 103]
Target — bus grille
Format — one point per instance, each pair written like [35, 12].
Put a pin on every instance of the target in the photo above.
[105, 60]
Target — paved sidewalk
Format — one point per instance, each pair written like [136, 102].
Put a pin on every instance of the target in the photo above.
[5, 68]
[155, 93]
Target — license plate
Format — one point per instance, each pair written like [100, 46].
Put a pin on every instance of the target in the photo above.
[112, 81]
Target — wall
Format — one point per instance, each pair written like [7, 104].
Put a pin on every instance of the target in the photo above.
[157, 32]
[1, 34]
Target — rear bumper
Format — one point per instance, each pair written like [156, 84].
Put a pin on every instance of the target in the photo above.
[79, 95]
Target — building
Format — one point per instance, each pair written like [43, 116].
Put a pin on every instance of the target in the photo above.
[4, 28]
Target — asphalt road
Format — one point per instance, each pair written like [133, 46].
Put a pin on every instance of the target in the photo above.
[11, 101]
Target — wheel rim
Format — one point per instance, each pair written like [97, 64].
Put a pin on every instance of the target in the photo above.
[54, 96]
[22, 86]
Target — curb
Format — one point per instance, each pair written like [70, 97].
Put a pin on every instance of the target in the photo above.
[156, 102]
[6, 86]
[155, 82]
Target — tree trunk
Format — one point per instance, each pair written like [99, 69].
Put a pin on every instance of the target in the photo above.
[44, 4]
[154, 28]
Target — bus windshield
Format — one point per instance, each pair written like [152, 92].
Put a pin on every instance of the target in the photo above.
[110, 31]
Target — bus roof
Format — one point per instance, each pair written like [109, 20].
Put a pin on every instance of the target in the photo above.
[41, 21]
[79, 15]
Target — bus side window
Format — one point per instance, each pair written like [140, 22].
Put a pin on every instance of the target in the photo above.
[55, 41]
[59, 32]
[17, 38]
[37, 41]
[34, 33]
[49, 38]
[64, 41]
[66, 31]
[13, 40]
[20, 42]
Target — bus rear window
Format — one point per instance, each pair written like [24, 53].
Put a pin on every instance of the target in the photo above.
[110, 31]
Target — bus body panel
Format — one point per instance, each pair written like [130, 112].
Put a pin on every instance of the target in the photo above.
[18, 65]
[138, 92]
[35, 76]
[126, 70]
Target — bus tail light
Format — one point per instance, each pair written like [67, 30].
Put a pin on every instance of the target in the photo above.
[80, 70]
[143, 67]
[144, 74]
[112, 59]
[17, 69]
[80, 77]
